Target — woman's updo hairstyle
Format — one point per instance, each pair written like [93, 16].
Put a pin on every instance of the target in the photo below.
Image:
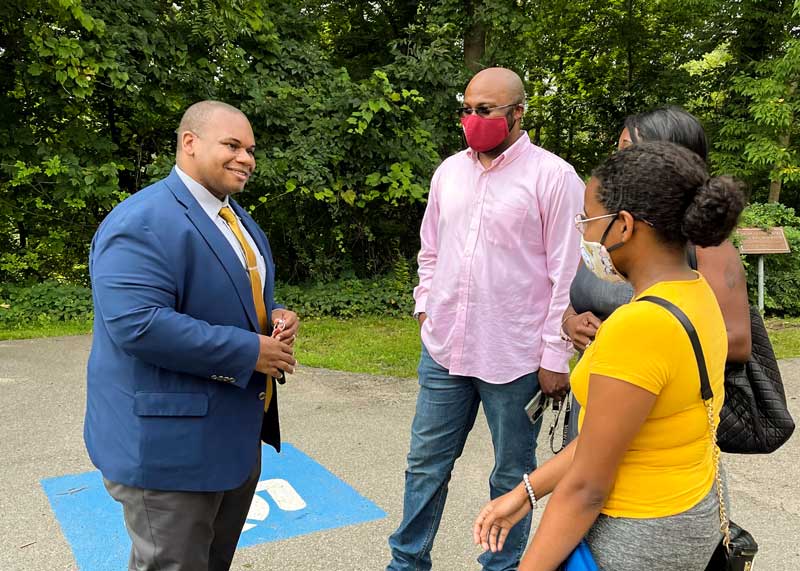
[668, 186]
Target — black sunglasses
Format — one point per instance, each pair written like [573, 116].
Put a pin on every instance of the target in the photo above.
[483, 111]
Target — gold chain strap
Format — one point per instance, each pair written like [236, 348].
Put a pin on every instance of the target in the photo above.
[724, 522]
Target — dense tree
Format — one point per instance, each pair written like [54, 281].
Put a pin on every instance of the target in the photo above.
[92, 92]
[758, 135]
[353, 104]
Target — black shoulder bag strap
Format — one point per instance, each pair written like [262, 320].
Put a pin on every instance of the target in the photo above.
[705, 385]
[723, 549]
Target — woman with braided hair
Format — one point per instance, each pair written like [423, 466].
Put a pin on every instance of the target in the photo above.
[638, 483]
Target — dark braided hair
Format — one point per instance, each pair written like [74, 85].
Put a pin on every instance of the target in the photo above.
[668, 186]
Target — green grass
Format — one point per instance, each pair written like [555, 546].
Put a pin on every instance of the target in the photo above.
[48, 329]
[785, 336]
[377, 345]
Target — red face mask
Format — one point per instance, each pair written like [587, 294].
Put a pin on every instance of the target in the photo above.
[484, 134]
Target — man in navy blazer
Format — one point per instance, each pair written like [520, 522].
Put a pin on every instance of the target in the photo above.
[178, 372]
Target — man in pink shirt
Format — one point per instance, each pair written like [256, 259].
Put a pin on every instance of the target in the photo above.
[499, 250]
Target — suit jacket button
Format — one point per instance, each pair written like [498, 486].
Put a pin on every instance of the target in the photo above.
[262, 395]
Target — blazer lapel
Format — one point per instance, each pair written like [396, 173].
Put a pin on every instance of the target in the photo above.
[218, 244]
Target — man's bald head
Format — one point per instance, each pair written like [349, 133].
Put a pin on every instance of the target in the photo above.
[197, 116]
[494, 93]
[216, 147]
[496, 86]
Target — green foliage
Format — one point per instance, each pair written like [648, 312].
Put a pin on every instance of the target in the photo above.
[761, 144]
[589, 64]
[348, 297]
[91, 92]
[782, 271]
[352, 104]
[43, 303]
[355, 163]
[750, 101]
[760, 215]
[52, 302]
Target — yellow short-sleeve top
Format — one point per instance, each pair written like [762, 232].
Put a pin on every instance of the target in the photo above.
[668, 468]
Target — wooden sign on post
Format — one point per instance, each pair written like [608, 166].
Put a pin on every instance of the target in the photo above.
[762, 241]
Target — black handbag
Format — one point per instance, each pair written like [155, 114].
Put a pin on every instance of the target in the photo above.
[739, 555]
[737, 549]
[754, 417]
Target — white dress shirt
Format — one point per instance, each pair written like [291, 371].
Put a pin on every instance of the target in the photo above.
[212, 205]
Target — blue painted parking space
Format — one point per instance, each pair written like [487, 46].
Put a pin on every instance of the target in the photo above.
[295, 496]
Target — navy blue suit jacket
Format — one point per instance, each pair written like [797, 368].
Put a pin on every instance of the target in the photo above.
[173, 398]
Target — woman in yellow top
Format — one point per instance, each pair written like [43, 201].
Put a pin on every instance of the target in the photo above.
[638, 482]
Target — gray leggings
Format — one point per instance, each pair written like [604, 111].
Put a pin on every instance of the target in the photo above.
[684, 541]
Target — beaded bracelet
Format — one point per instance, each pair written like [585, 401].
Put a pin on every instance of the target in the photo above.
[529, 489]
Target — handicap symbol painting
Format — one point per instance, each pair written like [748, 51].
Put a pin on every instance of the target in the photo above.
[295, 496]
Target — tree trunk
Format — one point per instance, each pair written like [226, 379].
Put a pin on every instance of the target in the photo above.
[474, 38]
[783, 141]
[775, 179]
[774, 190]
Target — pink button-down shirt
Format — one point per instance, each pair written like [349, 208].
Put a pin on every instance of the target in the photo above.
[499, 251]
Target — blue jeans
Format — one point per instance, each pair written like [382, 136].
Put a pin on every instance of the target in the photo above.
[446, 409]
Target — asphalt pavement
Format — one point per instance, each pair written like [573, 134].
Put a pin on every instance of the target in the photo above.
[356, 426]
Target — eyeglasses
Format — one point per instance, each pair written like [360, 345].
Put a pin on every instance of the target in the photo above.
[483, 111]
[580, 220]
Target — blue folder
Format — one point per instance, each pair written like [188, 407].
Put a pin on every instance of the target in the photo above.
[581, 559]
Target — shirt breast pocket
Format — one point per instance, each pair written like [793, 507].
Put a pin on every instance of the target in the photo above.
[504, 224]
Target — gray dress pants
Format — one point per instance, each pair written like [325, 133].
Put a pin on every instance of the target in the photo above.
[184, 531]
